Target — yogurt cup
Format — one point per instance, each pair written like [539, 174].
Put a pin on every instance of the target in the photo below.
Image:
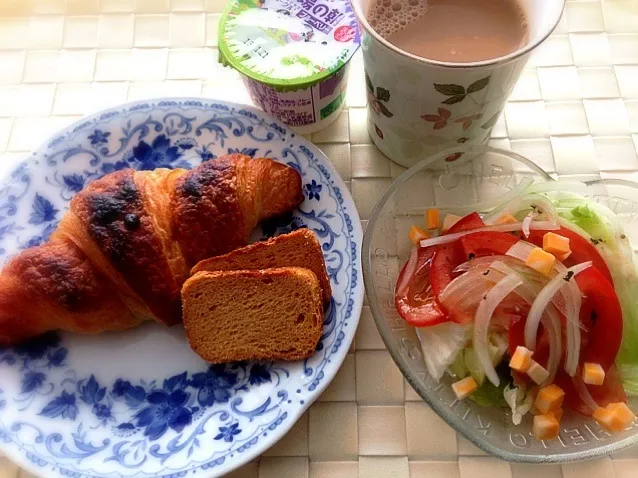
[293, 56]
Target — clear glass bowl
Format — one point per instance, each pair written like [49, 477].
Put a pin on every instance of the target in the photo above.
[479, 175]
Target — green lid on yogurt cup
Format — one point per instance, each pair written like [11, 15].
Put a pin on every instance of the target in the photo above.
[287, 44]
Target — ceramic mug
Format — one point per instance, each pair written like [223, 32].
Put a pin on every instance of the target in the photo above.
[418, 107]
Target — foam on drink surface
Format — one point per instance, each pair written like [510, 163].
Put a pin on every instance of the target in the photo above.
[451, 30]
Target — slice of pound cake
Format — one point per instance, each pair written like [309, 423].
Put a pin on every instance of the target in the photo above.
[272, 314]
[299, 248]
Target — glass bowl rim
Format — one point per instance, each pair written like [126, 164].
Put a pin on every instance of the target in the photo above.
[442, 411]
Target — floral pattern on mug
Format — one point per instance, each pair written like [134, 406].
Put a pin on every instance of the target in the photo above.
[457, 94]
[377, 100]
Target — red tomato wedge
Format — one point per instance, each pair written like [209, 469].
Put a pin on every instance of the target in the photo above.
[417, 305]
[601, 315]
[448, 256]
[582, 250]
[487, 243]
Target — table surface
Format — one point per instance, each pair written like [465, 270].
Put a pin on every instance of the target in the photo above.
[574, 111]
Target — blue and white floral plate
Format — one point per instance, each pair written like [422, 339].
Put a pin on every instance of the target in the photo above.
[141, 403]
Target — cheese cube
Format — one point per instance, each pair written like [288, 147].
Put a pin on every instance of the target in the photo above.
[521, 359]
[537, 372]
[432, 218]
[549, 398]
[593, 374]
[556, 244]
[417, 234]
[545, 427]
[558, 414]
[623, 413]
[506, 218]
[449, 221]
[615, 417]
[464, 387]
[540, 260]
[606, 419]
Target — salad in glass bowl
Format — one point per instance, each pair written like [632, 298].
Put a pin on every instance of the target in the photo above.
[525, 305]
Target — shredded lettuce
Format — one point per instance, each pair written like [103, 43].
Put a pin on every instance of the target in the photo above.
[441, 344]
[488, 395]
[467, 363]
[519, 400]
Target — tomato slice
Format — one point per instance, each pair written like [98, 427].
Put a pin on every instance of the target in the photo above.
[582, 250]
[448, 256]
[601, 315]
[467, 223]
[487, 243]
[417, 305]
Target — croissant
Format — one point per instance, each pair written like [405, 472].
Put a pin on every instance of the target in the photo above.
[128, 241]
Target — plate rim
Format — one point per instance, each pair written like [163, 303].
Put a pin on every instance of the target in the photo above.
[357, 287]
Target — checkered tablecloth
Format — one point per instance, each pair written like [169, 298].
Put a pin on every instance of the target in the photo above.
[574, 111]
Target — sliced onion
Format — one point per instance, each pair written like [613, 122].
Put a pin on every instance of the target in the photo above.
[527, 222]
[507, 265]
[509, 208]
[515, 226]
[531, 201]
[561, 186]
[410, 269]
[528, 273]
[540, 305]
[484, 313]
[464, 292]
[584, 394]
[551, 322]
[521, 250]
[573, 323]
[538, 202]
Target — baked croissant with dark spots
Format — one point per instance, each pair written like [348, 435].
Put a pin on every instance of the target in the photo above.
[128, 241]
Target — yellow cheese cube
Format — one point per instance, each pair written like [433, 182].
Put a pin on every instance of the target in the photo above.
[593, 374]
[555, 244]
[549, 398]
[537, 372]
[432, 218]
[506, 218]
[615, 417]
[545, 427]
[623, 413]
[521, 359]
[417, 234]
[449, 221]
[606, 419]
[464, 387]
[558, 414]
[540, 260]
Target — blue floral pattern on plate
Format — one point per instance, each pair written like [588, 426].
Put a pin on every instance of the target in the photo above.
[141, 403]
